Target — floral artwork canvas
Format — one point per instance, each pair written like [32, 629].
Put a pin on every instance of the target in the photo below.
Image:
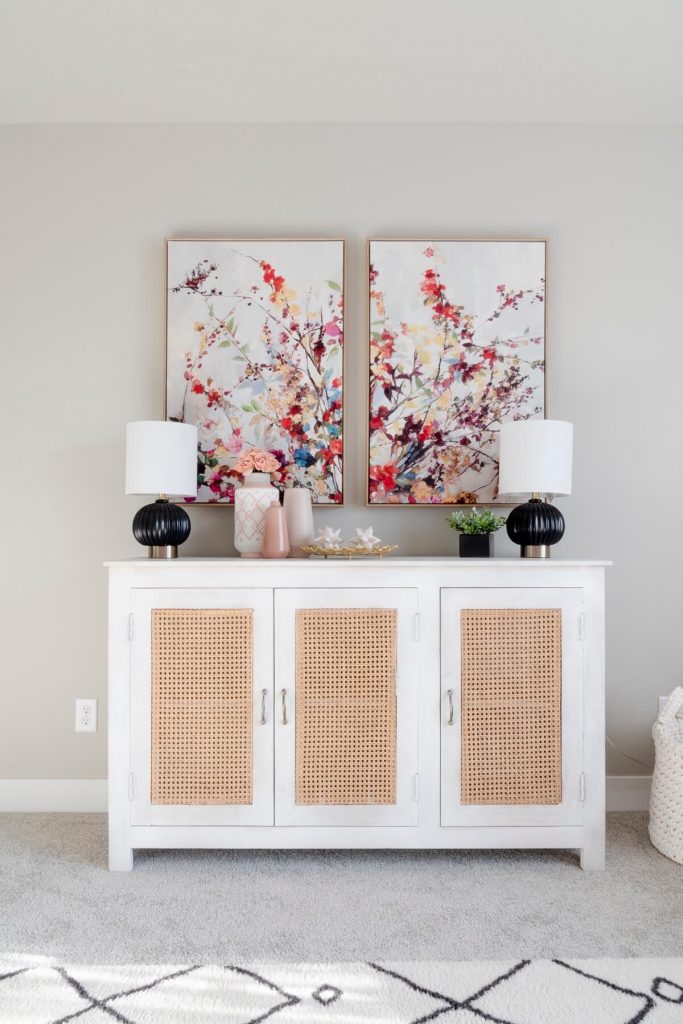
[255, 336]
[456, 346]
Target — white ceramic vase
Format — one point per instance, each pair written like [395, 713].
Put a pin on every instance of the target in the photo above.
[299, 515]
[251, 501]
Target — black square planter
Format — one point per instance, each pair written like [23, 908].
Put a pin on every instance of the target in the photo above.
[475, 545]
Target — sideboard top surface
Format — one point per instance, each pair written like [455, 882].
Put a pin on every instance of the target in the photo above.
[364, 564]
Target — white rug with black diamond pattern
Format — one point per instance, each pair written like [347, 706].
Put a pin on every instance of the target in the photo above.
[36, 990]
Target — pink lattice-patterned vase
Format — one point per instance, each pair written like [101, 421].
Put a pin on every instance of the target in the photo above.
[251, 501]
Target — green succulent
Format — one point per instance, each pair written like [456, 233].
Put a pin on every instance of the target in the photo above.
[475, 521]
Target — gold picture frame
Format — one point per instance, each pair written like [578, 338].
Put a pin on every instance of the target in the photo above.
[258, 241]
[436, 241]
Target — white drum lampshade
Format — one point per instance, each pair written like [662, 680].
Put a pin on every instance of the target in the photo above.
[161, 458]
[535, 459]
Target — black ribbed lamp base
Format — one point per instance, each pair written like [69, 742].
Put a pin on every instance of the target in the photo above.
[161, 527]
[535, 526]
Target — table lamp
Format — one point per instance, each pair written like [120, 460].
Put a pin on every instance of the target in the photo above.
[161, 458]
[535, 459]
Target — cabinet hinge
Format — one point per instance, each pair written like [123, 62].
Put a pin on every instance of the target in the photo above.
[131, 786]
[582, 625]
[416, 626]
[416, 787]
[582, 787]
[131, 627]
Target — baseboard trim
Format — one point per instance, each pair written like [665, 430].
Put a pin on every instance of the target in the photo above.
[25, 795]
[624, 793]
[628, 792]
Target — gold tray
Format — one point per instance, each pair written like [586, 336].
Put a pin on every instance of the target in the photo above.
[349, 551]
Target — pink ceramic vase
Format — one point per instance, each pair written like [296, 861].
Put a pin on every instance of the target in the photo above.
[299, 514]
[275, 537]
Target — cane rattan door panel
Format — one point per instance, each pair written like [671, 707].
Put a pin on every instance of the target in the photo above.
[511, 706]
[202, 697]
[346, 706]
[512, 667]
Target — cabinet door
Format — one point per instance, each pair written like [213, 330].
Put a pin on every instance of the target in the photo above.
[202, 707]
[346, 707]
[511, 707]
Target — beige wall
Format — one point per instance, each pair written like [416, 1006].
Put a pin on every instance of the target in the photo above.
[84, 211]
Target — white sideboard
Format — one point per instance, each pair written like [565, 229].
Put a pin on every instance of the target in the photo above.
[406, 703]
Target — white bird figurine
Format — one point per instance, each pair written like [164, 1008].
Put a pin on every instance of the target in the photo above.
[366, 538]
[329, 538]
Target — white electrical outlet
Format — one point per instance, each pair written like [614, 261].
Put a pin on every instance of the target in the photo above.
[86, 714]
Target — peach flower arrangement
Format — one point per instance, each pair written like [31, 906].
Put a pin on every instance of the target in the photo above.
[256, 460]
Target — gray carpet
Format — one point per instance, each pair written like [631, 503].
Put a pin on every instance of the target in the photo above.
[58, 899]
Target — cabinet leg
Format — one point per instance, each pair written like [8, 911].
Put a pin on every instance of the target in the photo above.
[120, 857]
[592, 857]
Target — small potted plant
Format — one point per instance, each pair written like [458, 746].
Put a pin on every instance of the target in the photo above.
[475, 528]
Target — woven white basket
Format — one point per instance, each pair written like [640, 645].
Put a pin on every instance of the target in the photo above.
[666, 799]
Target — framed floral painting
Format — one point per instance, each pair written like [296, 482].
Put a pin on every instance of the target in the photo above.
[456, 346]
[254, 358]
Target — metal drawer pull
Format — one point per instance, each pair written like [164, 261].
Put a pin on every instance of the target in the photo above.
[450, 704]
[263, 706]
[284, 707]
